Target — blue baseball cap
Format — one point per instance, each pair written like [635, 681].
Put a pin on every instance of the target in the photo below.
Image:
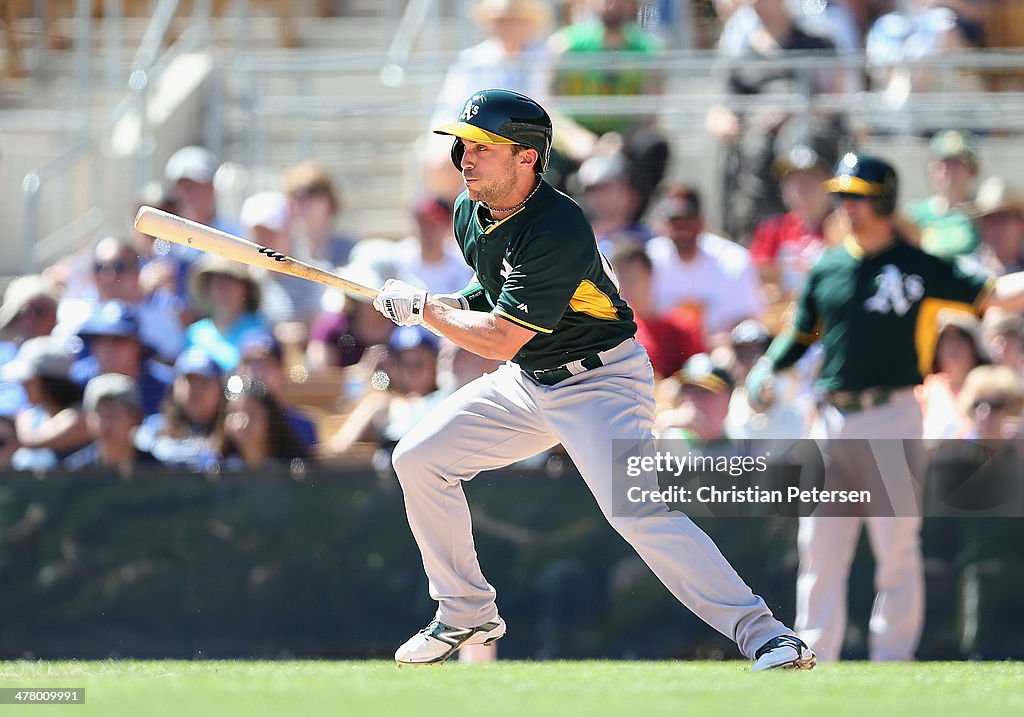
[410, 337]
[195, 361]
[112, 318]
[261, 343]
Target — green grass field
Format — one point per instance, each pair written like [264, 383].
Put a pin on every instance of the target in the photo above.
[524, 689]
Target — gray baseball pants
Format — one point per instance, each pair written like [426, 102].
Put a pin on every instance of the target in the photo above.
[506, 416]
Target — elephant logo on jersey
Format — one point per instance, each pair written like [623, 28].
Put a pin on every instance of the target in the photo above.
[469, 111]
[896, 293]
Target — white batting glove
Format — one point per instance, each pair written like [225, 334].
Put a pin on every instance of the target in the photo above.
[401, 302]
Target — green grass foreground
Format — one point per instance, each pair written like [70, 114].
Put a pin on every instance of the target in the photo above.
[523, 689]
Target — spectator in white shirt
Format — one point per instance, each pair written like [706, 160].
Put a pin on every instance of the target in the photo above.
[266, 220]
[431, 258]
[704, 276]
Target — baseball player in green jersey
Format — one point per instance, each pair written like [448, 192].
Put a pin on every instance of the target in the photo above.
[545, 301]
[872, 302]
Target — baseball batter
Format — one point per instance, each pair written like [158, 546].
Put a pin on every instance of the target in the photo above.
[872, 302]
[545, 301]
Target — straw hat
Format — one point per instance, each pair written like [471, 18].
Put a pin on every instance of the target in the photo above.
[210, 264]
[967, 323]
[536, 12]
[996, 195]
[20, 292]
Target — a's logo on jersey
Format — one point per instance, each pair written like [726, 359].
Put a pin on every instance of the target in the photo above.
[896, 293]
[506, 269]
[469, 111]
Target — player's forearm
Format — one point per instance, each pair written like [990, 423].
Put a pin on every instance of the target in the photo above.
[786, 349]
[482, 333]
[1007, 292]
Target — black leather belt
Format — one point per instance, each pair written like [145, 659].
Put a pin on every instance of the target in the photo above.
[551, 376]
[860, 400]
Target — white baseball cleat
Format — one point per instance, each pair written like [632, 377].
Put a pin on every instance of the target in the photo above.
[786, 652]
[437, 642]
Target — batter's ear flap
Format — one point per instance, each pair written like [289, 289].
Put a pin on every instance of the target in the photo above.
[458, 150]
[885, 204]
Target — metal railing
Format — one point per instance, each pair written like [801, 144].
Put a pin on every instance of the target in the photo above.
[331, 105]
[38, 249]
[80, 146]
[141, 79]
[392, 73]
[693, 81]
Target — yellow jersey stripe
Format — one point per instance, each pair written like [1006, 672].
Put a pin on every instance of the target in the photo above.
[498, 223]
[517, 320]
[589, 300]
[986, 291]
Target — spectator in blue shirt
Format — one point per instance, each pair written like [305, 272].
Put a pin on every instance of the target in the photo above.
[29, 310]
[228, 295]
[51, 425]
[180, 435]
[263, 360]
[112, 406]
[112, 337]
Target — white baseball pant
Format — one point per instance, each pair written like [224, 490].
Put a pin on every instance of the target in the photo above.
[506, 416]
[827, 544]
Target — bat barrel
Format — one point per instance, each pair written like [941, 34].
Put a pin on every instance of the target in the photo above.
[158, 223]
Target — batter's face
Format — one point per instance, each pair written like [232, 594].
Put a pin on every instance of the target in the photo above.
[859, 212]
[490, 171]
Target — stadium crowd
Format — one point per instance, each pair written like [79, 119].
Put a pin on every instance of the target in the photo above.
[137, 352]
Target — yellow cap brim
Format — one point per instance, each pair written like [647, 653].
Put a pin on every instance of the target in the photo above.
[464, 130]
[846, 184]
[710, 382]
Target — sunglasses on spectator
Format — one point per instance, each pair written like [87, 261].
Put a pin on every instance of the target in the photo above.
[749, 350]
[846, 197]
[307, 193]
[116, 267]
[992, 405]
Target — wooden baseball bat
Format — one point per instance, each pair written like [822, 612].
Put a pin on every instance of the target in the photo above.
[158, 223]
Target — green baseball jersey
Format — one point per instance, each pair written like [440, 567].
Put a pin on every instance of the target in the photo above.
[540, 268]
[946, 233]
[589, 38]
[876, 314]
